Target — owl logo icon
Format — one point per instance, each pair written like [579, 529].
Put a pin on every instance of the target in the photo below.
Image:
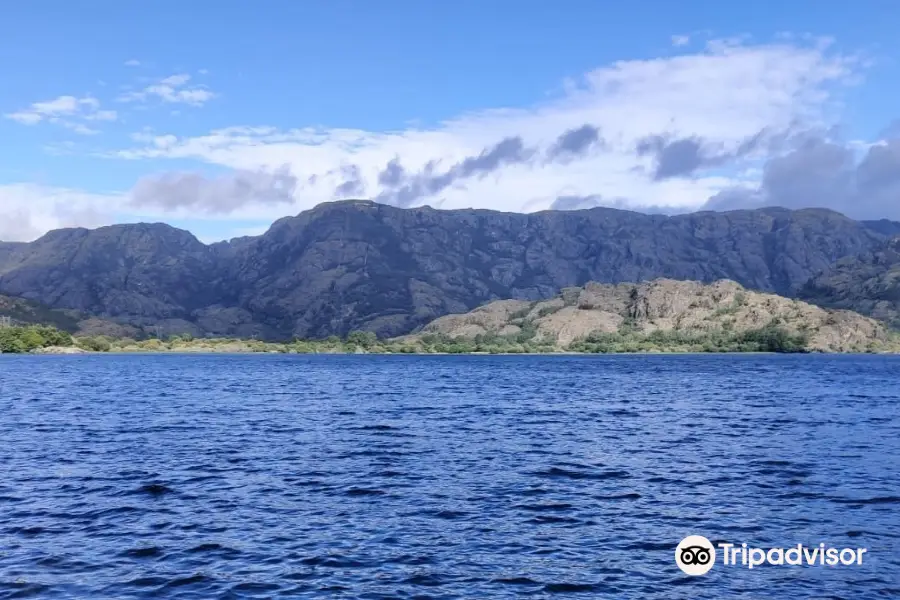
[695, 555]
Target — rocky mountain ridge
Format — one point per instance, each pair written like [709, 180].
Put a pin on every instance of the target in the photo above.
[665, 313]
[357, 265]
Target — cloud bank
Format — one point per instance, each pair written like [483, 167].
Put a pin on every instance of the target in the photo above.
[585, 142]
[827, 174]
[27, 210]
[224, 194]
[677, 133]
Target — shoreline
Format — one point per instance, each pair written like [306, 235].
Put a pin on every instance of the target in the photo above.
[74, 351]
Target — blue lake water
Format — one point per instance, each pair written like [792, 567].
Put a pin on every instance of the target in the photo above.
[475, 477]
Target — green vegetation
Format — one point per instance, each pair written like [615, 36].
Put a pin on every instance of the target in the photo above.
[522, 312]
[27, 339]
[739, 300]
[26, 312]
[770, 338]
[97, 343]
[14, 340]
[548, 310]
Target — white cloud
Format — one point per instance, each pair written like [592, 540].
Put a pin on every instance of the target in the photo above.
[30, 210]
[102, 115]
[65, 111]
[79, 128]
[132, 63]
[25, 117]
[724, 95]
[681, 40]
[58, 107]
[174, 90]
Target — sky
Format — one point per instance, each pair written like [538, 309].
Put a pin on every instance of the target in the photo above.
[221, 117]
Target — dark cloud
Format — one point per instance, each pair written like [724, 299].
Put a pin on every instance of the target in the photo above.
[880, 168]
[818, 173]
[409, 189]
[825, 174]
[402, 188]
[509, 151]
[682, 157]
[575, 143]
[353, 186]
[392, 175]
[223, 194]
[674, 158]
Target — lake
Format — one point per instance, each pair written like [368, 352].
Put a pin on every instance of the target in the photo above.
[248, 476]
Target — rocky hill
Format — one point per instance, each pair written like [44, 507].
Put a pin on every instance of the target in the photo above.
[27, 312]
[665, 315]
[868, 283]
[357, 265]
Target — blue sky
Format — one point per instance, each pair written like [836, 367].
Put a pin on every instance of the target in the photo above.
[222, 116]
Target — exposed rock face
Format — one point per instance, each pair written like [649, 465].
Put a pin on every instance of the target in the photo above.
[665, 305]
[359, 265]
[868, 283]
[142, 273]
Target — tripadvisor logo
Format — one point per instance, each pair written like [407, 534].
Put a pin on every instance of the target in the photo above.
[696, 555]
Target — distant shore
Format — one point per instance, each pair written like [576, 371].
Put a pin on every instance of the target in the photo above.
[212, 350]
[47, 340]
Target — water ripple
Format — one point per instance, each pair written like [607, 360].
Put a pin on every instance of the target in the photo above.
[441, 477]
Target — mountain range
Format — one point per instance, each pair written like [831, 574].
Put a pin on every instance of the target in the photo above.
[358, 265]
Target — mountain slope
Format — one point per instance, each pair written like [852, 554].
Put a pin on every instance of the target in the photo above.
[664, 314]
[868, 283]
[141, 274]
[359, 265]
[27, 312]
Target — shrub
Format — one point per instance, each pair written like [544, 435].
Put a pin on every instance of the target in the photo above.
[11, 343]
[773, 339]
[363, 339]
[522, 312]
[548, 310]
[94, 344]
[527, 332]
[32, 337]
[628, 326]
